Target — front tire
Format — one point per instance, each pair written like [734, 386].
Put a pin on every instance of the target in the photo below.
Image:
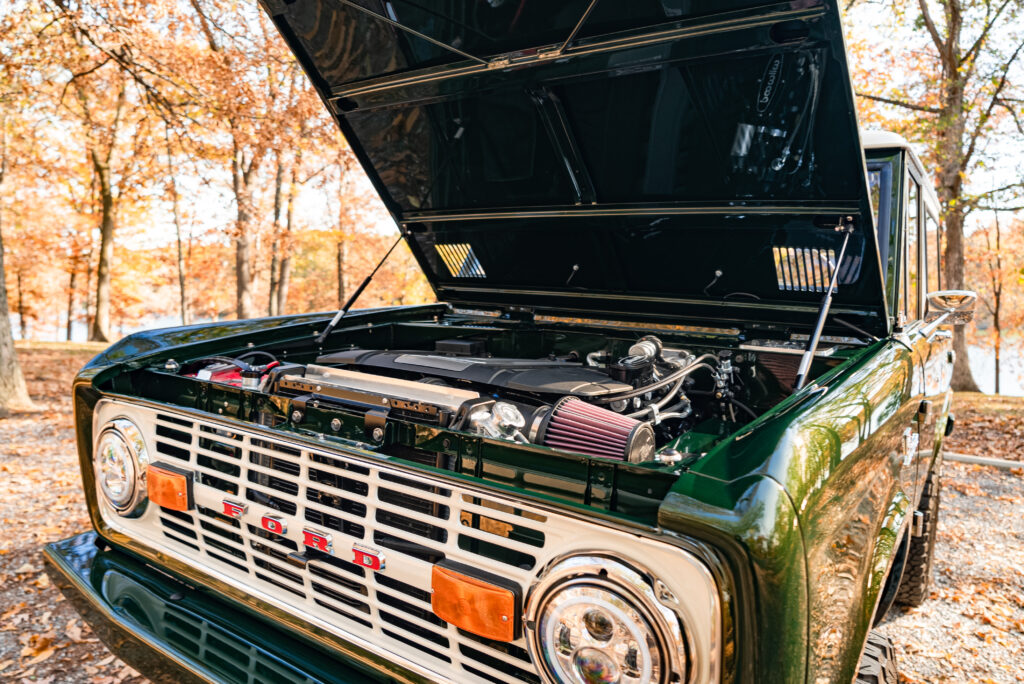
[878, 664]
[917, 575]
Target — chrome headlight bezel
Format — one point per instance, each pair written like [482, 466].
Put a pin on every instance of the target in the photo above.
[121, 433]
[648, 597]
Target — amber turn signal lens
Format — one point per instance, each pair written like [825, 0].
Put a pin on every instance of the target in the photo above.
[476, 606]
[169, 487]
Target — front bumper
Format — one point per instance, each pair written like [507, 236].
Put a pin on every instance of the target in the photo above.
[174, 633]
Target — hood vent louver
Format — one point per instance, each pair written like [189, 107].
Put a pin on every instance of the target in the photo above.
[802, 269]
[460, 259]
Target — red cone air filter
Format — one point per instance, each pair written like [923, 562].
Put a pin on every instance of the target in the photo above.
[574, 425]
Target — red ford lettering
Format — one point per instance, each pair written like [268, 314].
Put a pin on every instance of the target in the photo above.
[317, 540]
[368, 558]
[233, 509]
[273, 524]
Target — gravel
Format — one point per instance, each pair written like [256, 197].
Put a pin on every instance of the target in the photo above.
[972, 626]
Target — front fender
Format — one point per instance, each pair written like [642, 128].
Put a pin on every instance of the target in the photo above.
[752, 524]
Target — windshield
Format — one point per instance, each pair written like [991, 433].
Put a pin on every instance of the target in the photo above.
[880, 188]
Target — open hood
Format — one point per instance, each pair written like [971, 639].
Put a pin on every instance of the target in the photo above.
[674, 159]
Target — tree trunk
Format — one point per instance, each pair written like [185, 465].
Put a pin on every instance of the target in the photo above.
[22, 323]
[100, 331]
[88, 286]
[13, 391]
[241, 175]
[71, 298]
[272, 295]
[101, 320]
[341, 273]
[286, 248]
[999, 340]
[952, 124]
[173, 181]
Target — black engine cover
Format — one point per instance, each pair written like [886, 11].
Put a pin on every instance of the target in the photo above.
[525, 375]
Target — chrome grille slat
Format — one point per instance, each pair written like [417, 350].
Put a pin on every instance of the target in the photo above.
[387, 612]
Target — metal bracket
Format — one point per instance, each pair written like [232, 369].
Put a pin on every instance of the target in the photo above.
[917, 524]
[375, 422]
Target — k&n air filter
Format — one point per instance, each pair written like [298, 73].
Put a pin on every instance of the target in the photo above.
[575, 425]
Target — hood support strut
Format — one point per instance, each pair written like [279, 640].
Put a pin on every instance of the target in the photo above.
[403, 27]
[846, 227]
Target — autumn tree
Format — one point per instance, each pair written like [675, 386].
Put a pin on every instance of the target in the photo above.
[949, 74]
[995, 267]
[180, 165]
[13, 392]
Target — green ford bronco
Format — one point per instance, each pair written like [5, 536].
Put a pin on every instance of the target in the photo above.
[677, 417]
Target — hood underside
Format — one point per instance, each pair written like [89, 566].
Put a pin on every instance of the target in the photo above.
[663, 158]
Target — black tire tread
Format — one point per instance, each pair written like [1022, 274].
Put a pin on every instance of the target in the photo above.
[878, 664]
[915, 586]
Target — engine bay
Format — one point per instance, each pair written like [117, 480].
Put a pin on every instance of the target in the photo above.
[636, 397]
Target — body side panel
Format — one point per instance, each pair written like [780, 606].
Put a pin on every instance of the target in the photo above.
[839, 450]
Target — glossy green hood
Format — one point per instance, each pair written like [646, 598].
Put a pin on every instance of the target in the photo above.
[662, 159]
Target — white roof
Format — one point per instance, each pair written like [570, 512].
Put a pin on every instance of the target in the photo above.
[873, 139]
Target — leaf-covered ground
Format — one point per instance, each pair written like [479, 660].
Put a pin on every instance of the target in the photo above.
[971, 629]
[986, 425]
[42, 639]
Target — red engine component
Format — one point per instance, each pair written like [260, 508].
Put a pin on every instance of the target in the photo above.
[575, 425]
[230, 374]
[224, 373]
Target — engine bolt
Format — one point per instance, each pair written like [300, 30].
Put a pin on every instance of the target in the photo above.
[296, 416]
[378, 434]
[335, 424]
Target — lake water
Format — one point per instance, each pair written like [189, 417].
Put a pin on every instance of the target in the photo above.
[1011, 373]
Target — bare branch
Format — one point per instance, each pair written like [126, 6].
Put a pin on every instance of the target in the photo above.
[1005, 104]
[204, 25]
[1010, 209]
[900, 103]
[987, 114]
[972, 52]
[81, 74]
[930, 25]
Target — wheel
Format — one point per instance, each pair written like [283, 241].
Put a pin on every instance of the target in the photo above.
[878, 664]
[917, 575]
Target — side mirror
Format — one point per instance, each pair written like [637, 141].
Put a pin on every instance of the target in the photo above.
[952, 307]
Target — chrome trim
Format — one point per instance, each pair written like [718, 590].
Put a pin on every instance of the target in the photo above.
[548, 53]
[132, 437]
[809, 209]
[654, 599]
[773, 305]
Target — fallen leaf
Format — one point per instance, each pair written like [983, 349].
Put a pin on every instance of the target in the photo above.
[43, 655]
[73, 631]
[12, 612]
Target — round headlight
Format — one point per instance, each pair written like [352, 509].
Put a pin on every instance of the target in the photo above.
[120, 460]
[594, 620]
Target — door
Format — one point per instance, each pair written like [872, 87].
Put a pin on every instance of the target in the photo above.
[910, 316]
[938, 365]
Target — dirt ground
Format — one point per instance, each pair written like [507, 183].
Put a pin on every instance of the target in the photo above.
[970, 630]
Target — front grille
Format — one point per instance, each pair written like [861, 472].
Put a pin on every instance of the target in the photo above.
[414, 524]
[412, 520]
